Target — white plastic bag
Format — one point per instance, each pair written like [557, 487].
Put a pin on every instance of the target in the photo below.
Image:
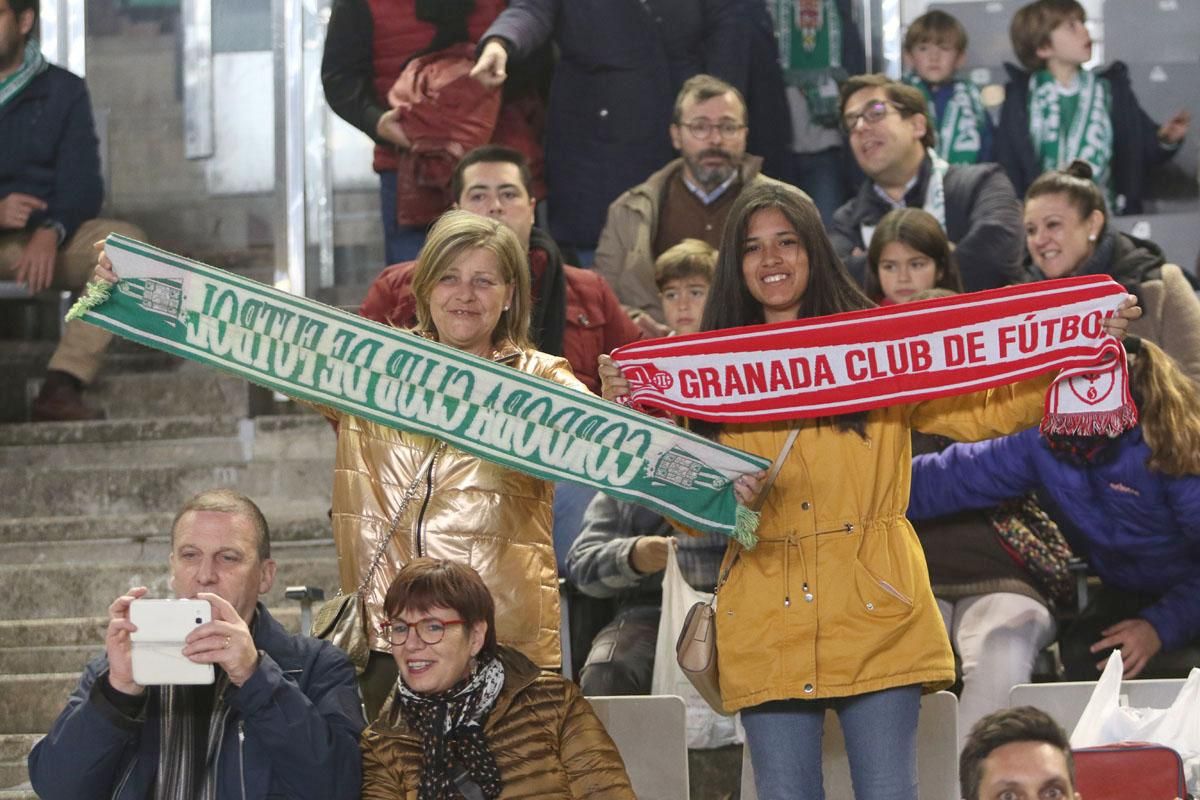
[1106, 721]
[706, 728]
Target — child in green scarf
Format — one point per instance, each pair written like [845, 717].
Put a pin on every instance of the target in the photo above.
[935, 49]
[1059, 111]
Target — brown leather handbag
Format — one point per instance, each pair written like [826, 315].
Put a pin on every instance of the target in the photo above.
[696, 647]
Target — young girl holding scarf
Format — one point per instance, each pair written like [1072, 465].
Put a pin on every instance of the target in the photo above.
[1134, 506]
[832, 609]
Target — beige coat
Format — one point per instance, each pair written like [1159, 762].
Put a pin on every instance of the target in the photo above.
[1171, 319]
[467, 510]
[625, 255]
[547, 742]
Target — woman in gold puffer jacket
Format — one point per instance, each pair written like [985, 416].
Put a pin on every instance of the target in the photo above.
[472, 292]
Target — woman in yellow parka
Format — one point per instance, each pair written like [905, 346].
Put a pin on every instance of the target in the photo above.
[833, 607]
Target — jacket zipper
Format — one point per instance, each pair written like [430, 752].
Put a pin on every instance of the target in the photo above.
[124, 779]
[420, 538]
[242, 755]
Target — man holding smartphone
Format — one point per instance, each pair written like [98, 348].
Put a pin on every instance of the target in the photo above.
[283, 716]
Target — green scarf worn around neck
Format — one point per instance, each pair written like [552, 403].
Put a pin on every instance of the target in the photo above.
[32, 65]
[960, 130]
[326, 356]
[809, 33]
[1067, 127]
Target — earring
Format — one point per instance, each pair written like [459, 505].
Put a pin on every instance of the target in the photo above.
[506, 308]
[1092, 237]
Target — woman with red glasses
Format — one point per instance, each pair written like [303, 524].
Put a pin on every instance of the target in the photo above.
[469, 718]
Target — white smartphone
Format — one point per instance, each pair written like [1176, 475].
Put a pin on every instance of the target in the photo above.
[162, 625]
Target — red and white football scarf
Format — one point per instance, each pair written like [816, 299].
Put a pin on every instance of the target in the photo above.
[900, 354]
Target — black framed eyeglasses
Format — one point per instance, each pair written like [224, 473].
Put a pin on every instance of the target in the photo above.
[429, 630]
[701, 129]
[871, 113]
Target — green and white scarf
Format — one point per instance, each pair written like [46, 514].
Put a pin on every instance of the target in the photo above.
[1087, 135]
[935, 196]
[32, 65]
[960, 130]
[809, 33]
[321, 354]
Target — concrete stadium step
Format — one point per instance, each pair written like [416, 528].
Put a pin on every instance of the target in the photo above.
[165, 440]
[14, 750]
[191, 390]
[77, 590]
[290, 520]
[78, 490]
[31, 703]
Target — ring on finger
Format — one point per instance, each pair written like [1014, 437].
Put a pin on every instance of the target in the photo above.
[228, 639]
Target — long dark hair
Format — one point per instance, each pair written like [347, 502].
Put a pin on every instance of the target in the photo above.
[830, 290]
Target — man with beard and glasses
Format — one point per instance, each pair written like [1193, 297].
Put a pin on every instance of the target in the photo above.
[50, 194]
[689, 198]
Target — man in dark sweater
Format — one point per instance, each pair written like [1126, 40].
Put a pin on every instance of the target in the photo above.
[893, 142]
[50, 194]
[689, 198]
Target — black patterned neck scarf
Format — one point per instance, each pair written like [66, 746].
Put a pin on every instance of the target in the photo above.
[450, 725]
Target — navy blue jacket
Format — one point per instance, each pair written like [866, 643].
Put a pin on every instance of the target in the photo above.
[1135, 138]
[48, 148]
[292, 731]
[983, 219]
[621, 63]
[1138, 529]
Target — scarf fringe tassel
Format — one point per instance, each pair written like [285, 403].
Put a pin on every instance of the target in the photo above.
[744, 527]
[1091, 423]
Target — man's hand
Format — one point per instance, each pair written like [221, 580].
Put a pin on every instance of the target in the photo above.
[104, 266]
[118, 646]
[1174, 129]
[226, 641]
[490, 68]
[15, 209]
[1136, 639]
[35, 266]
[649, 554]
[389, 130]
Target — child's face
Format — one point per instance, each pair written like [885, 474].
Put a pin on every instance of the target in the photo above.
[1070, 43]
[936, 62]
[683, 303]
[904, 271]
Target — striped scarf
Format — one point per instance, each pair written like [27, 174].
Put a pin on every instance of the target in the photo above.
[960, 130]
[32, 65]
[1087, 135]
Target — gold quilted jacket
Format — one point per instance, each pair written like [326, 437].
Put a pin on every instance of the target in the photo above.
[547, 742]
[465, 509]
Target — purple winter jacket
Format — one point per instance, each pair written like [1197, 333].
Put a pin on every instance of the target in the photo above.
[1138, 529]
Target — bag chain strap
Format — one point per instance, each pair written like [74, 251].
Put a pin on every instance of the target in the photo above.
[409, 493]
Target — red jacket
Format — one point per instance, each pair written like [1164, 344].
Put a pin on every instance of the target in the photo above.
[596, 323]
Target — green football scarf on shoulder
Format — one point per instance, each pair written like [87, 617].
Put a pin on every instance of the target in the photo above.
[313, 352]
[32, 65]
[960, 130]
[1087, 134]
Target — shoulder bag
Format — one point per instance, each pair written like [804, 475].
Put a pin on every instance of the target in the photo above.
[696, 648]
[342, 620]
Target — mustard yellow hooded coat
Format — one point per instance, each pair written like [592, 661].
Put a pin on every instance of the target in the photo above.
[835, 599]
